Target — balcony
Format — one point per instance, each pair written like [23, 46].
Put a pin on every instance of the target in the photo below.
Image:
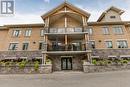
[65, 30]
[68, 47]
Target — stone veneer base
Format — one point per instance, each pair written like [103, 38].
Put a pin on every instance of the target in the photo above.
[45, 69]
[89, 68]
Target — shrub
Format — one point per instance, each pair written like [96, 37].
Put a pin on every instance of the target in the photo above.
[48, 61]
[36, 65]
[22, 64]
[124, 61]
[94, 62]
[109, 62]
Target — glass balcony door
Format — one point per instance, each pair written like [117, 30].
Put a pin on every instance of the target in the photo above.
[77, 46]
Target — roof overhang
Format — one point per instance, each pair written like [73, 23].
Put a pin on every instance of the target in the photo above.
[63, 5]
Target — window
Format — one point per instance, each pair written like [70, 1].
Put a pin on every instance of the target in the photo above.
[122, 44]
[109, 44]
[89, 30]
[25, 46]
[118, 30]
[28, 32]
[13, 46]
[92, 44]
[16, 33]
[112, 17]
[105, 30]
[42, 32]
[41, 45]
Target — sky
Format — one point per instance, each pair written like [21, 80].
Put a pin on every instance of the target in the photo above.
[30, 11]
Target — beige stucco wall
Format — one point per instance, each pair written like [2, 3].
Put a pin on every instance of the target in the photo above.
[111, 13]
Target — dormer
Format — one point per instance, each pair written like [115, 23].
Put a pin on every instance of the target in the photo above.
[112, 14]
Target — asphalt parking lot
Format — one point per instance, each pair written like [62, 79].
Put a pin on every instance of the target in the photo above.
[67, 79]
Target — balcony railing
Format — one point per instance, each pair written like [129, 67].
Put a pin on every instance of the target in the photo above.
[65, 30]
[69, 47]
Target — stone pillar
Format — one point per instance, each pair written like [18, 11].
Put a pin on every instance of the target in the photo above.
[89, 57]
[44, 59]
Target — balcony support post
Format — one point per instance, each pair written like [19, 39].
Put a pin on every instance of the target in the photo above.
[86, 41]
[66, 42]
[89, 57]
[44, 59]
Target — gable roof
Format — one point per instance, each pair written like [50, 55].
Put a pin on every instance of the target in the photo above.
[68, 5]
[119, 11]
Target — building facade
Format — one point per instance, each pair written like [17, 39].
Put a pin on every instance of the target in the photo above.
[67, 38]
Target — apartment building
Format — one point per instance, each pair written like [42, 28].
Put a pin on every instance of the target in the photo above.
[67, 38]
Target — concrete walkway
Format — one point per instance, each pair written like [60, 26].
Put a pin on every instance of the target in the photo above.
[68, 79]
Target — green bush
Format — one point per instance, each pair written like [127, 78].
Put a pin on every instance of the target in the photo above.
[94, 62]
[124, 61]
[109, 62]
[48, 61]
[22, 64]
[36, 65]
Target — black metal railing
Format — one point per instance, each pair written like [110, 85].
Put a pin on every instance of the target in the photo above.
[69, 47]
[65, 30]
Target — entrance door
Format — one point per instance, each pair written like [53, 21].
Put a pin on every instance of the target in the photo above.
[66, 63]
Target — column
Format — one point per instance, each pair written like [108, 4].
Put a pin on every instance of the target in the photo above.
[44, 59]
[86, 41]
[89, 57]
[66, 42]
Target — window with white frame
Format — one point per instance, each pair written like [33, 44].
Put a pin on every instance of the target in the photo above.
[122, 44]
[28, 32]
[41, 45]
[105, 30]
[25, 46]
[42, 32]
[109, 44]
[118, 30]
[13, 46]
[16, 33]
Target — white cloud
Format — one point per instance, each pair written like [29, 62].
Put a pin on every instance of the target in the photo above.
[21, 19]
[47, 1]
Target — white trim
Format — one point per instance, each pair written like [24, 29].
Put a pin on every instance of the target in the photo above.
[108, 40]
[124, 55]
[15, 42]
[112, 56]
[26, 41]
[23, 57]
[41, 41]
[121, 39]
[95, 57]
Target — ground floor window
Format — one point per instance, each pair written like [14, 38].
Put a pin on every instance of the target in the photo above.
[109, 44]
[25, 46]
[122, 44]
[13, 46]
